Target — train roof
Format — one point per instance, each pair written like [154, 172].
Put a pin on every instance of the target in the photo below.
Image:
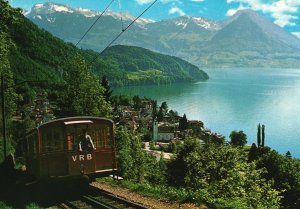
[73, 120]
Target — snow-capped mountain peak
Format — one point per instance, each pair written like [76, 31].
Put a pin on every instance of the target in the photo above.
[50, 8]
[126, 16]
[207, 24]
[184, 21]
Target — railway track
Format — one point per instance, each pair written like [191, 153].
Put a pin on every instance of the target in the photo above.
[97, 198]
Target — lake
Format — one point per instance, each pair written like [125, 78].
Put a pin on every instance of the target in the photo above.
[238, 99]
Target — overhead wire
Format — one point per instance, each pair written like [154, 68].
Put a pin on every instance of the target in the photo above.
[95, 22]
[123, 30]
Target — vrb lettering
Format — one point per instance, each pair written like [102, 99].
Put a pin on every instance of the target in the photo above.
[82, 157]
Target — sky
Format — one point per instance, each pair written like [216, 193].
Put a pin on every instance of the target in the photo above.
[285, 13]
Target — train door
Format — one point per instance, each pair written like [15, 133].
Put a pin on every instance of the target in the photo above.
[79, 162]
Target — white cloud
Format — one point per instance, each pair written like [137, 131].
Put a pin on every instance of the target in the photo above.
[169, 1]
[174, 10]
[231, 12]
[141, 2]
[283, 11]
[284, 19]
[296, 34]
[198, 0]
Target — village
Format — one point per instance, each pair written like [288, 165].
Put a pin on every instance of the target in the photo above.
[160, 129]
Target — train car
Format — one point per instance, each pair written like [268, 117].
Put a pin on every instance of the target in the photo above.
[52, 149]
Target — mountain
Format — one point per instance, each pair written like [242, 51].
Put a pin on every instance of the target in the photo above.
[38, 55]
[70, 24]
[244, 40]
[143, 66]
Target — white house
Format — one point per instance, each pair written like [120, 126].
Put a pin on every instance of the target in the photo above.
[162, 132]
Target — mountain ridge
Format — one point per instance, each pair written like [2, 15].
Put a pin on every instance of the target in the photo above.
[202, 42]
[38, 55]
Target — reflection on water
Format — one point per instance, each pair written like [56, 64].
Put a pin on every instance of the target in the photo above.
[239, 99]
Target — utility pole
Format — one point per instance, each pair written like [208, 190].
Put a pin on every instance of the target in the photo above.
[3, 115]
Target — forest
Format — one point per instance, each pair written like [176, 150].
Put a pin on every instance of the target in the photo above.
[219, 175]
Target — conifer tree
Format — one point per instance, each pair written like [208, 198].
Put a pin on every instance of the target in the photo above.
[183, 123]
[107, 91]
[258, 135]
[263, 136]
[253, 153]
[288, 154]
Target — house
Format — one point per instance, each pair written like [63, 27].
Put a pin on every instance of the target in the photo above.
[128, 112]
[194, 124]
[162, 132]
[146, 104]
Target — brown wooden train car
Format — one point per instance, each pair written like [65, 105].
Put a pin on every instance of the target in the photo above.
[52, 149]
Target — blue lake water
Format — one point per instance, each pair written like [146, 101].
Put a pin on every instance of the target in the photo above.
[239, 99]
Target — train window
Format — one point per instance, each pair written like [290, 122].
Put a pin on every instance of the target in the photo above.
[73, 134]
[105, 139]
[58, 141]
[108, 137]
[101, 140]
[71, 141]
[101, 136]
[51, 140]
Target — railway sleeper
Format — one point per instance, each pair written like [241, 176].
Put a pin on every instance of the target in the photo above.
[128, 203]
[98, 203]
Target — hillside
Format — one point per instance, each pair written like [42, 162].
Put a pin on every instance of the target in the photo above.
[38, 55]
[246, 39]
[137, 65]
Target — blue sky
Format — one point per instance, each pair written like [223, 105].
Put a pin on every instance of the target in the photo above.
[285, 13]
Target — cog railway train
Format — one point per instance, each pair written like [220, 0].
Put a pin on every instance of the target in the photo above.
[52, 149]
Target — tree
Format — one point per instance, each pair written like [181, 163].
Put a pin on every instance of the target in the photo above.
[183, 123]
[263, 136]
[253, 153]
[285, 172]
[164, 107]
[107, 91]
[136, 102]
[238, 138]
[258, 135]
[134, 163]
[221, 173]
[288, 154]
[173, 114]
[83, 94]
[7, 16]
[177, 168]
[160, 115]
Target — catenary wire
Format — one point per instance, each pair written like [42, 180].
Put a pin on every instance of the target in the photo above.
[95, 22]
[123, 30]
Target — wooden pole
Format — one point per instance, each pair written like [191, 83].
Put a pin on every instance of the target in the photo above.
[3, 116]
